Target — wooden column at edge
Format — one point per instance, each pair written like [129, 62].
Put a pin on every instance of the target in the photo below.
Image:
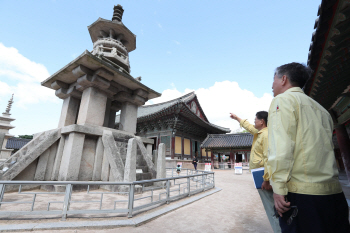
[172, 146]
[182, 148]
[344, 146]
[191, 149]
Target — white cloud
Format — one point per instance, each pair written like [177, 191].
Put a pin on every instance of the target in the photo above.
[176, 42]
[160, 26]
[12, 60]
[222, 98]
[5, 91]
[24, 77]
[169, 52]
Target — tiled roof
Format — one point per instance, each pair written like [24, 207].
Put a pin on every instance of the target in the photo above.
[239, 140]
[329, 58]
[16, 143]
[150, 111]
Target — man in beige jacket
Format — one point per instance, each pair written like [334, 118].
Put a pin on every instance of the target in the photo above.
[301, 163]
[258, 158]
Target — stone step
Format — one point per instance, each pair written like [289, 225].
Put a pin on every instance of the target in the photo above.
[144, 168]
[143, 176]
[140, 160]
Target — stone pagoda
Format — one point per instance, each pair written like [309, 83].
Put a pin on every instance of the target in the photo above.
[93, 87]
[5, 126]
[96, 85]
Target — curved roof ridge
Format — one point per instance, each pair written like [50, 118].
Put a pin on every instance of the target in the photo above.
[207, 122]
[169, 101]
[233, 141]
[219, 126]
[229, 134]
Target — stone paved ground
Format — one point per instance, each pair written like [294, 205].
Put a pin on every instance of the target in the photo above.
[237, 208]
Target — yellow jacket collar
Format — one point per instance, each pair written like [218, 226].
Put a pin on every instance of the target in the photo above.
[263, 130]
[294, 89]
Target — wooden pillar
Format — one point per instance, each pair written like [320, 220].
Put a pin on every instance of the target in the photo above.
[344, 146]
[219, 158]
[206, 152]
[212, 161]
[191, 151]
[182, 148]
[232, 158]
[172, 145]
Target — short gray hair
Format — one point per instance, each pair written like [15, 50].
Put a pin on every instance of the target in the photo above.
[297, 73]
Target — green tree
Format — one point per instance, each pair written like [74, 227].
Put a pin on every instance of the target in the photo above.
[26, 136]
[240, 131]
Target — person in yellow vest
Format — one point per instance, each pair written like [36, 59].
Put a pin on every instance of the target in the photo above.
[301, 166]
[258, 158]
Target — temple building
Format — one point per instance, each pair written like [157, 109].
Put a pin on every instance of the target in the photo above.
[180, 124]
[231, 148]
[329, 58]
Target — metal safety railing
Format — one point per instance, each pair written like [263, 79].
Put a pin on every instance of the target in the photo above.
[124, 197]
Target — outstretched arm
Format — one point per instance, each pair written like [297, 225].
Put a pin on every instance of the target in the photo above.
[235, 117]
[245, 124]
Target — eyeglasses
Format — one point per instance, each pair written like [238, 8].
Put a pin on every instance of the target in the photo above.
[293, 215]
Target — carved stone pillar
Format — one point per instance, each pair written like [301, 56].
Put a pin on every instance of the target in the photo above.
[92, 107]
[71, 101]
[69, 111]
[128, 117]
[107, 112]
[71, 158]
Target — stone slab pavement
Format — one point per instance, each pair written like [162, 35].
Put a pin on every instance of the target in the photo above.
[236, 208]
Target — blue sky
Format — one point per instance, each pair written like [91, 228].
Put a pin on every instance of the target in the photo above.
[224, 50]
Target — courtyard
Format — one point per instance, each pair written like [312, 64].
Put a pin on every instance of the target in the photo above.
[236, 208]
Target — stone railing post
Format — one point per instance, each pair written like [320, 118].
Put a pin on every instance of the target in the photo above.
[130, 163]
[155, 158]
[161, 171]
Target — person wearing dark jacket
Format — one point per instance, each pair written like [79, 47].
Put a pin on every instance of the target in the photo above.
[195, 162]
